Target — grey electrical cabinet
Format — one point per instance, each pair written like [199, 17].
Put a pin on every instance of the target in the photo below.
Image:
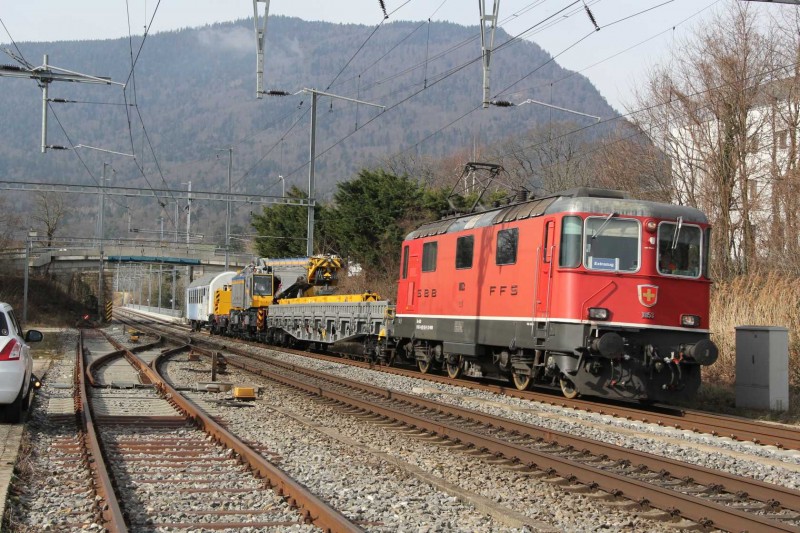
[762, 367]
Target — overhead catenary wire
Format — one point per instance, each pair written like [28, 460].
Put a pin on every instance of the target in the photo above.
[19, 57]
[440, 79]
[477, 107]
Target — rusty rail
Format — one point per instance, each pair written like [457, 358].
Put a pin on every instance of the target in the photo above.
[109, 505]
[309, 505]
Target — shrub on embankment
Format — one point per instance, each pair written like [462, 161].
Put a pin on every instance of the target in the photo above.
[768, 299]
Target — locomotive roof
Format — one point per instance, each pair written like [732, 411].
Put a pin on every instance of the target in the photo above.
[581, 200]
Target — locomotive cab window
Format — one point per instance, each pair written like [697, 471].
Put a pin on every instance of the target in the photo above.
[571, 235]
[679, 247]
[429, 250]
[464, 248]
[612, 244]
[262, 285]
[506, 253]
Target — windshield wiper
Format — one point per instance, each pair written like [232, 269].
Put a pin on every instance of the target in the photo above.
[677, 233]
[603, 225]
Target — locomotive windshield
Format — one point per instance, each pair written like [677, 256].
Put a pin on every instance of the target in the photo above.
[611, 244]
[679, 248]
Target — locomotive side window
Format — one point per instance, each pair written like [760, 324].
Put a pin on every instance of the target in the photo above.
[612, 244]
[679, 248]
[506, 253]
[429, 250]
[464, 247]
[571, 237]
[405, 262]
[706, 254]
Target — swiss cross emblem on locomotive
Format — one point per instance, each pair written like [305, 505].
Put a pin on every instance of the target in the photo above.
[648, 295]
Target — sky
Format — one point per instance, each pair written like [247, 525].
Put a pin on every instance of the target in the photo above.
[616, 59]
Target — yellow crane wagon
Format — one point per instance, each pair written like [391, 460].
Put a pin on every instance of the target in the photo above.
[293, 301]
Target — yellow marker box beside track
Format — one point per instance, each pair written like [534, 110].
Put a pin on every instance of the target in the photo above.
[244, 393]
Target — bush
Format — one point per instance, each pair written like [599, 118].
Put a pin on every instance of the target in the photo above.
[753, 300]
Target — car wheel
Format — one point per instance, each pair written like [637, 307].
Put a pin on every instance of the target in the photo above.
[26, 401]
[13, 411]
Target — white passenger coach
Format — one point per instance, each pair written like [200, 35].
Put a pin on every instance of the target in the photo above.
[200, 297]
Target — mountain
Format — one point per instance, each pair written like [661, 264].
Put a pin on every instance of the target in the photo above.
[194, 91]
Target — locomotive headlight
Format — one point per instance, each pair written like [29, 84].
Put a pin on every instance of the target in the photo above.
[690, 321]
[598, 313]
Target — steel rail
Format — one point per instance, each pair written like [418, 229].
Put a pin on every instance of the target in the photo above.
[309, 505]
[755, 489]
[737, 428]
[109, 504]
[719, 514]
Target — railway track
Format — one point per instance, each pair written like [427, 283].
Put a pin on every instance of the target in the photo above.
[767, 434]
[155, 465]
[707, 497]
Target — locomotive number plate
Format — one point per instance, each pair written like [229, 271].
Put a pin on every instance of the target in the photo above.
[648, 314]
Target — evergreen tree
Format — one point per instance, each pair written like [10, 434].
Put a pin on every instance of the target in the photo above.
[372, 215]
[282, 229]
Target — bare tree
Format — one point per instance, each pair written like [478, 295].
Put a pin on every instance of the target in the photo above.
[548, 158]
[706, 111]
[784, 171]
[49, 213]
[9, 223]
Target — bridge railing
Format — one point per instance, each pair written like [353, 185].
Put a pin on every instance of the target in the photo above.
[178, 313]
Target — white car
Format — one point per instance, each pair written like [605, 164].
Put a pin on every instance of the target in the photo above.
[16, 365]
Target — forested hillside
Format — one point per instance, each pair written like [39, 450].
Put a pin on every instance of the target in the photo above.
[194, 91]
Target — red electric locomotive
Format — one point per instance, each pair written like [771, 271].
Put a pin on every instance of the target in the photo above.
[588, 290]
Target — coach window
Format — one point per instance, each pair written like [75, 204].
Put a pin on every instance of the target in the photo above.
[405, 262]
[506, 253]
[571, 235]
[464, 247]
[429, 256]
[679, 248]
[611, 244]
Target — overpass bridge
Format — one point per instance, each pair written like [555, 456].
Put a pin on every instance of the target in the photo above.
[148, 275]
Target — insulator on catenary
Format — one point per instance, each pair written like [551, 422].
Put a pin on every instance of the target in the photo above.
[591, 17]
[383, 7]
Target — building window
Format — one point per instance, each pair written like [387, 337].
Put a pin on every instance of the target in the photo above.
[781, 139]
[429, 256]
[752, 144]
[506, 253]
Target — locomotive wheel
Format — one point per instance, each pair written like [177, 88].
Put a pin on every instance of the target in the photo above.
[423, 365]
[454, 370]
[568, 389]
[521, 381]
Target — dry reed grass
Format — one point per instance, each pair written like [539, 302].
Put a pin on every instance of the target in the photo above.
[754, 300]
